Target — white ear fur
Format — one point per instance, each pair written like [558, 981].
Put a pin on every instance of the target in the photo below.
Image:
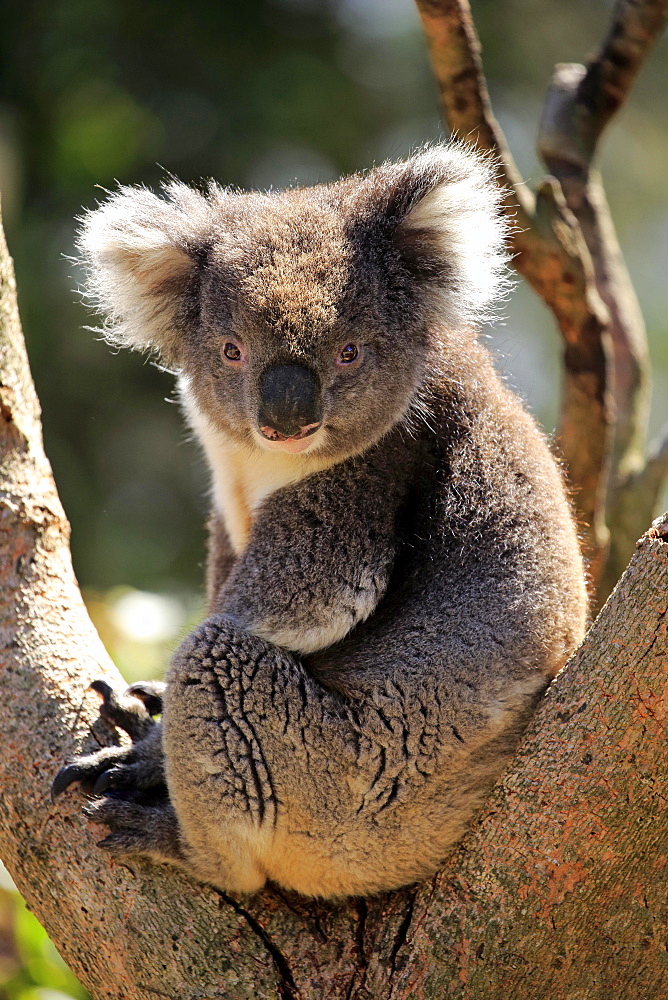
[138, 252]
[462, 215]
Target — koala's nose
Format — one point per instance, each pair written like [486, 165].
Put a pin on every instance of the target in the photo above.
[289, 401]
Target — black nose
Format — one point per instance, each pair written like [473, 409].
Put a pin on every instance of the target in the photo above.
[289, 400]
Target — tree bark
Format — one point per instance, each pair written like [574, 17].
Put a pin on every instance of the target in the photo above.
[558, 890]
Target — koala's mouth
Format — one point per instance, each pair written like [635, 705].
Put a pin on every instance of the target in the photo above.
[292, 443]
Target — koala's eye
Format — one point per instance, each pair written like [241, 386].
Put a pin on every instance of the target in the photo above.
[348, 354]
[232, 352]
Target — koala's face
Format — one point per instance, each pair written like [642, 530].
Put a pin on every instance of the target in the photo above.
[304, 321]
[303, 343]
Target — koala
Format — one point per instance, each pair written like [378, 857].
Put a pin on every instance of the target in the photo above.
[394, 575]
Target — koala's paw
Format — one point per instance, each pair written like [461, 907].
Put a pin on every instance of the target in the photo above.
[134, 773]
[131, 711]
[128, 783]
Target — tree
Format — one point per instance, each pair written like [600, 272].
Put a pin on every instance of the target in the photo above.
[559, 889]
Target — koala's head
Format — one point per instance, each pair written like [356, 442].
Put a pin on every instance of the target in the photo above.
[307, 320]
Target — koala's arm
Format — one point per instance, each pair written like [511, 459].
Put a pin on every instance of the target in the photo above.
[220, 559]
[316, 564]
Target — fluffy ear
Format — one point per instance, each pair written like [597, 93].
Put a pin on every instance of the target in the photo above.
[141, 252]
[446, 221]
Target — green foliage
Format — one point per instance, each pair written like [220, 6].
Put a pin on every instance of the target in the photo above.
[30, 966]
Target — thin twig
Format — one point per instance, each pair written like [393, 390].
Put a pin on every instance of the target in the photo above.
[651, 481]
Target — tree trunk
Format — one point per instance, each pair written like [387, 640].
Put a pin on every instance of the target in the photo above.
[558, 890]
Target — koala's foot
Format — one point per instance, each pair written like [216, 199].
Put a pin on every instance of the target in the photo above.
[131, 780]
[137, 828]
[133, 773]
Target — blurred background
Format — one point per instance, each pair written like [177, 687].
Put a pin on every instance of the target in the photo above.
[264, 93]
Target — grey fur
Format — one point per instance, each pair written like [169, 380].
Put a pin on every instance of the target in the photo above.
[386, 607]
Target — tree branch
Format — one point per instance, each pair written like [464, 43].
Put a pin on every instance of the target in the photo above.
[593, 95]
[454, 49]
[638, 497]
[137, 932]
[579, 104]
[561, 887]
[655, 472]
[549, 252]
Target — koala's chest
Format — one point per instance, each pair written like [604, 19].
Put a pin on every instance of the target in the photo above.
[241, 478]
[240, 484]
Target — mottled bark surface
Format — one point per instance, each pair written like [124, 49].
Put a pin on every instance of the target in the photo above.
[559, 890]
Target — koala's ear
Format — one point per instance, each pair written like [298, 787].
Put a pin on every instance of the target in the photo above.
[141, 253]
[446, 221]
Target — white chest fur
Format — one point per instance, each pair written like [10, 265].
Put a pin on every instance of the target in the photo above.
[241, 478]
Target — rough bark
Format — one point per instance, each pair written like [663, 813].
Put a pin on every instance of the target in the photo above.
[558, 890]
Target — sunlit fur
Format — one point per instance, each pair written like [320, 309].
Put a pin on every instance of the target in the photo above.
[137, 247]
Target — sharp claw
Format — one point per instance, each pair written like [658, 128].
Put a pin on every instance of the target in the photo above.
[110, 700]
[105, 781]
[65, 777]
[102, 688]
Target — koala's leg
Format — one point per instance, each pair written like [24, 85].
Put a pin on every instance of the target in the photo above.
[220, 777]
[272, 776]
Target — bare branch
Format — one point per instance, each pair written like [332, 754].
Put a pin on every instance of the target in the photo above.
[579, 104]
[655, 473]
[549, 252]
[593, 95]
[455, 57]
[637, 500]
